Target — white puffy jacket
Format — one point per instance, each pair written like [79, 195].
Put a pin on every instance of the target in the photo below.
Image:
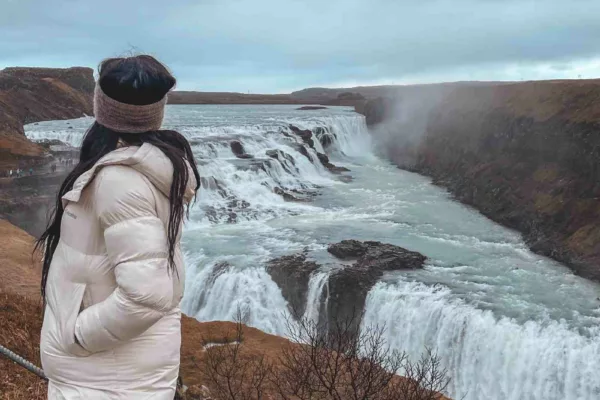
[109, 286]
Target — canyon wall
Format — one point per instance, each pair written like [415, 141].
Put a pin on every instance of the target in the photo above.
[527, 155]
[38, 94]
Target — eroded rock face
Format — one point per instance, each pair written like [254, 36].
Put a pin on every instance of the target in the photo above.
[525, 155]
[29, 95]
[348, 285]
[292, 274]
[304, 134]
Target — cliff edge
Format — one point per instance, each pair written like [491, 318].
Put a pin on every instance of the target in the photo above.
[38, 94]
[525, 154]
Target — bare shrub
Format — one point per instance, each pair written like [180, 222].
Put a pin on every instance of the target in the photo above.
[340, 363]
[347, 362]
[423, 379]
[233, 373]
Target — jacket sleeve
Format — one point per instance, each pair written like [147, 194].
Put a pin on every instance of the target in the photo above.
[136, 244]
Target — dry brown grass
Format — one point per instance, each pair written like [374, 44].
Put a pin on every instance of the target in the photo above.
[20, 325]
[20, 270]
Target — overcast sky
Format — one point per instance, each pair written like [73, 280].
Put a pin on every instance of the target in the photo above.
[276, 46]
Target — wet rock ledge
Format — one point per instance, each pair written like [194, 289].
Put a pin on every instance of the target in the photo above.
[356, 268]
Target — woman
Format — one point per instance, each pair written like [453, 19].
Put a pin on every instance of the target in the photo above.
[113, 272]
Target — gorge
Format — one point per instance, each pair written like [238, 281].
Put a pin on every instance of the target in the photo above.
[314, 192]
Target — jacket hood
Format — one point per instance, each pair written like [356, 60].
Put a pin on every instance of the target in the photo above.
[148, 160]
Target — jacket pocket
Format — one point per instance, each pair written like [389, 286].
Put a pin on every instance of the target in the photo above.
[68, 340]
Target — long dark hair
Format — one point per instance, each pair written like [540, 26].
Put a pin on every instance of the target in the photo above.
[135, 80]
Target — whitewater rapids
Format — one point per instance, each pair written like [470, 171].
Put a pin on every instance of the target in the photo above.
[508, 324]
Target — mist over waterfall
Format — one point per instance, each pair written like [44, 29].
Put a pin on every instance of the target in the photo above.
[507, 323]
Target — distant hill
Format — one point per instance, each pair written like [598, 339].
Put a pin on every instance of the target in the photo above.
[183, 97]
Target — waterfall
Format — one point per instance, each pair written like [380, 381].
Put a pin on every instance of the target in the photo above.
[508, 324]
[316, 299]
[487, 357]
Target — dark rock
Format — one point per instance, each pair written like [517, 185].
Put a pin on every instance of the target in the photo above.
[292, 274]
[327, 140]
[287, 196]
[281, 155]
[348, 290]
[376, 255]
[273, 154]
[387, 257]
[348, 285]
[348, 249]
[336, 170]
[331, 167]
[309, 108]
[237, 148]
[304, 134]
[325, 137]
[301, 149]
[323, 158]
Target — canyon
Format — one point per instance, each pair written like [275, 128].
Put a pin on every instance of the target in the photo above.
[524, 154]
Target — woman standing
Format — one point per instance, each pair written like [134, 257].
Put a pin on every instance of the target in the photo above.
[113, 273]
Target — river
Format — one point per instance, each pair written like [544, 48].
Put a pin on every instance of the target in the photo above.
[507, 323]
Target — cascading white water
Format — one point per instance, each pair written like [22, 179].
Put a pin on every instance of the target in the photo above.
[507, 323]
[488, 357]
[316, 296]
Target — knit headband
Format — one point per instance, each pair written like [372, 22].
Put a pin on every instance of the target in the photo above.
[127, 118]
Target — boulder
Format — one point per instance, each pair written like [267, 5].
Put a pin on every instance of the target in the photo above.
[376, 255]
[237, 148]
[292, 274]
[347, 249]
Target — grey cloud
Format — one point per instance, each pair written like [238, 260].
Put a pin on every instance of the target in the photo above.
[274, 46]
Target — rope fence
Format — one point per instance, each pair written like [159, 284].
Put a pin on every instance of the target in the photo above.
[11, 355]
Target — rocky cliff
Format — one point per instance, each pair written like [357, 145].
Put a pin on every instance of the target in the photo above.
[527, 155]
[37, 94]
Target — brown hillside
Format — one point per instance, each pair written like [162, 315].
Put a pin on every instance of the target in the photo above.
[38, 94]
[182, 97]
